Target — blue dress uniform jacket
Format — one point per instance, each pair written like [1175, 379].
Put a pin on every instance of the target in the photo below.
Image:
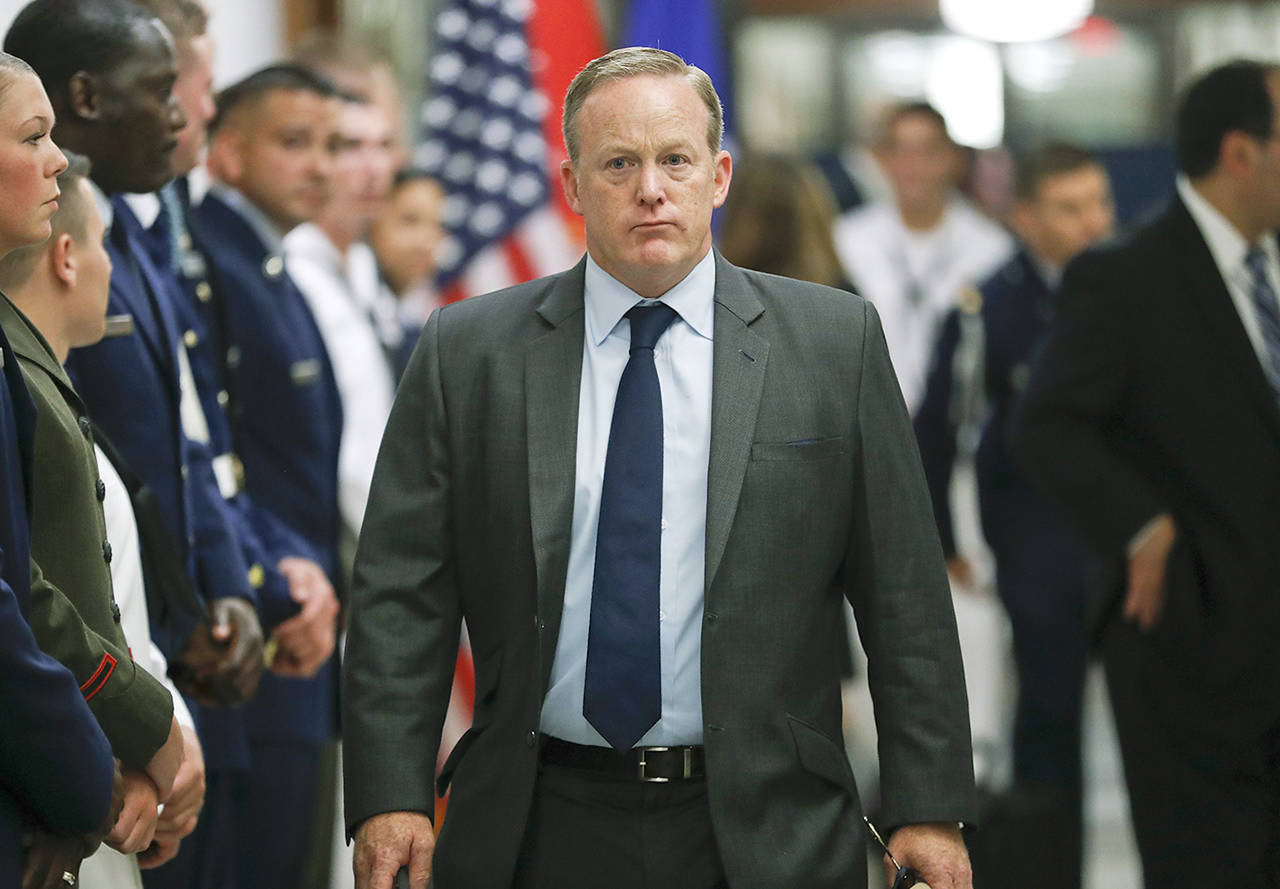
[55, 762]
[288, 423]
[131, 386]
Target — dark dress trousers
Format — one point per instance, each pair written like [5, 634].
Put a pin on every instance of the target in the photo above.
[1149, 398]
[74, 614]
[55, 762]
[814, 486]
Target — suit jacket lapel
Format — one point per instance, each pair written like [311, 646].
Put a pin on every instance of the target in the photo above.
[553, 374]
[737, 380]
[1211, 299]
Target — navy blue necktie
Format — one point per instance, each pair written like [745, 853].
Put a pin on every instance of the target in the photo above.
[622, 696]
[1264, 299]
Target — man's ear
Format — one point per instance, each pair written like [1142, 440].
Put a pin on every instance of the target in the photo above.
[84, 95]
[723, 173]
[225, 157]
[63, 260]
[569, 181]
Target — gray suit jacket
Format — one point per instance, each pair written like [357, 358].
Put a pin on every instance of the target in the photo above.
[815, 488]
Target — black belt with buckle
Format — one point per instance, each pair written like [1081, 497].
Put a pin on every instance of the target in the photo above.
[650, 764]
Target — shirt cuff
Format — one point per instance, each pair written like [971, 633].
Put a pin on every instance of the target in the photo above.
[1139, 540]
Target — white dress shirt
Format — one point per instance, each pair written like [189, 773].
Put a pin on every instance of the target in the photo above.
[360, 366]
[887, 262]
[683, 358]
[107, 868]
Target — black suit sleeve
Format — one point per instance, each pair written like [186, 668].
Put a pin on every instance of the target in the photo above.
[1063, 429]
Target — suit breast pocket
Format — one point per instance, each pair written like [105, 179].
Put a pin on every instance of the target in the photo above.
[797, 450]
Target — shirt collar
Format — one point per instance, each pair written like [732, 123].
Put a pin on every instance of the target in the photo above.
[309, 240]
[1227, 245]
[607, 299]
[266, 230]
[146, 207]
[105, 209]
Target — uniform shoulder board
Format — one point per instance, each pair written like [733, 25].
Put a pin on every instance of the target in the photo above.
[970, 301]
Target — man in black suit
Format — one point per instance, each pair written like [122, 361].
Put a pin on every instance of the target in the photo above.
[657, 648]
[1153, 418]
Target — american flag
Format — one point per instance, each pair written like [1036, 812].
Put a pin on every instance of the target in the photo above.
[485, 128]
[490, 135]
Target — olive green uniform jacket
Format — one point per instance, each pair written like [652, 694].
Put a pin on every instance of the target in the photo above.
[73, 610]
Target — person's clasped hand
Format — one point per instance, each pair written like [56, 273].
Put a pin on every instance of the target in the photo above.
[306, 640]
[221, 663]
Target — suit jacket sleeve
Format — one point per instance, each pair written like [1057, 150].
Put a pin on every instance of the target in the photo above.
[134, 709]
[898, 588]
[405, 612]
[1079, 386]
[53, 755]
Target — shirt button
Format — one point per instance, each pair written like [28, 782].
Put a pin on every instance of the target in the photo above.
[663, 524]
[101, 490]
[106, 551]
[662, 615]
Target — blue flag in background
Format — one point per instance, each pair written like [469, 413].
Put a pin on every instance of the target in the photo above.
[688, 28]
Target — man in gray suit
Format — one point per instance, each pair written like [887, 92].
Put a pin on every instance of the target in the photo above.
[647, 512]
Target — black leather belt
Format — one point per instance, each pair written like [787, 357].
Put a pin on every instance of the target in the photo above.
[649, 764]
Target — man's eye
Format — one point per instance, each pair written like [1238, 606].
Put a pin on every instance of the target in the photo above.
[677, 159]
[617, 164]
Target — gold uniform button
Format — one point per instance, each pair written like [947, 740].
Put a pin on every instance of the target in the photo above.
[190, 339]
[204, 292]
[257, 576]
[223, 398]
[273, 267]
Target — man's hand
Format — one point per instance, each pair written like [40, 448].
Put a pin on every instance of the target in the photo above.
[163, 849]
[385, 843]
[935, 852]
[307, 639]
[137, 822]
[221, 663]
[1144, 602]
[164, 765]
[49, 857]
[94, 839]
[182, 808]
[960, 571]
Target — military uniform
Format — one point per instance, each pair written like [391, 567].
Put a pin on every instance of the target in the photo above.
[55, 765]
[74, 613]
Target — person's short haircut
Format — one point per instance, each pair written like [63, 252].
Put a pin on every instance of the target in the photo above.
[905, 110]
[1230, 98]
[252, 89]
[409, 175]
[71, 218]
[185, 19]
[635, 61]
[60, 37]
[1049, 160]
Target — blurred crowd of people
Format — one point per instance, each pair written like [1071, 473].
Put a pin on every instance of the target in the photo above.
[208, 303]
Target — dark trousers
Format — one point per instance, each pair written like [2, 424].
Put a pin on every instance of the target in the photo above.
[207, 858]
[588, 831]
[1203, 779]
[276, 825]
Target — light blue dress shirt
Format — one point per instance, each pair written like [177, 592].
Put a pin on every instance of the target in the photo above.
[683, 360]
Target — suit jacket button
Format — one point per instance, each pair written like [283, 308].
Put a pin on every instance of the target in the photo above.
[101, 490]
[115, 611]
[106, 551]
[531, 739]
[204, 292]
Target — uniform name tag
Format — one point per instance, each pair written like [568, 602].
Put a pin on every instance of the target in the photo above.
[118, 325]
[305, 372]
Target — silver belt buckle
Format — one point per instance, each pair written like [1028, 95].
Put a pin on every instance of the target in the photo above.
[686, 770]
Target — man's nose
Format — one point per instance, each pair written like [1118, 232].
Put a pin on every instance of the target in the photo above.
[177, 117]
[649, 189]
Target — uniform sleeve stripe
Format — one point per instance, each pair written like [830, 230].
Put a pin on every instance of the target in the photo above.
[94, 683]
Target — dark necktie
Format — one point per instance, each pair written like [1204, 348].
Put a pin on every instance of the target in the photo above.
[1264, 299]
[622, 696]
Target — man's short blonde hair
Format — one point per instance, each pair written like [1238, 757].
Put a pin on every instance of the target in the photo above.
[637, 61]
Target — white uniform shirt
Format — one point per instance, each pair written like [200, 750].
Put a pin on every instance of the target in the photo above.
[914, 278]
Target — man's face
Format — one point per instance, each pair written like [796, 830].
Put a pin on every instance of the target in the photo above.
[406, 233]
[88, 302]
[138, 117]
[646, 181]
[281, 155]
[29, 163]
[921, 162]
[194, 92]
[1071, 212]
[363, 166]
[1264, 187]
